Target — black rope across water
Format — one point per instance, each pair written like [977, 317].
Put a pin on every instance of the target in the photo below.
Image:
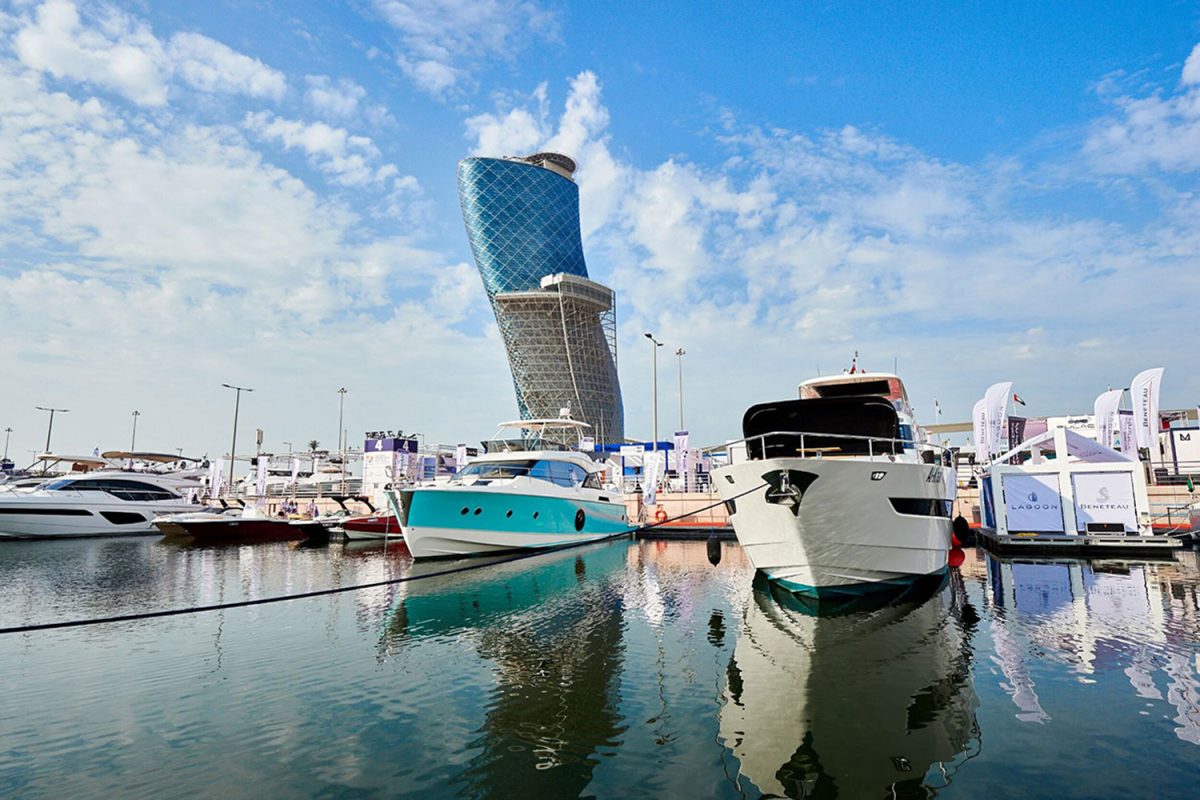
[262, 601]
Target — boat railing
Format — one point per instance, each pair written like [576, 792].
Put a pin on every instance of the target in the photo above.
[884, 444]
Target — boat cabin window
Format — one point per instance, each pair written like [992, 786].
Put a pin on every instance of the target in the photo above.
[561, 473]
[117, 487]
[592, 481]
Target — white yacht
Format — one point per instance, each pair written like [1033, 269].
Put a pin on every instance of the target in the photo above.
[837, 492]
[523, 493]
[101, 503]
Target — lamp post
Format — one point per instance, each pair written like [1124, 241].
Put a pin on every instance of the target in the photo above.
[341, 436]
[289, 444]
[133, 439]
[7, 433]
[50, 428]
[237, 402]
[654, 353]
[679, 354]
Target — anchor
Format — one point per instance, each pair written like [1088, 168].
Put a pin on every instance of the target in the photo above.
[786, 487]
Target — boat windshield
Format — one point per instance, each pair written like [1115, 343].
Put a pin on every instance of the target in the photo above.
[496, 470]
[561, 473]
[61, 483]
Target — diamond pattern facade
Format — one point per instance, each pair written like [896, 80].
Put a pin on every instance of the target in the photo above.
[558, 327]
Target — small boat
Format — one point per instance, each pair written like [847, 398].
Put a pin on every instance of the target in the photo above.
[837, 492]
[251, 525]
[371, 526]
[524, 493]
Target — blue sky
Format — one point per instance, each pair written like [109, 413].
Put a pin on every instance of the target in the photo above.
[263, 193]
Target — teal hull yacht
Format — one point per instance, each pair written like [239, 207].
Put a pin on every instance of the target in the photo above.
[522, 493]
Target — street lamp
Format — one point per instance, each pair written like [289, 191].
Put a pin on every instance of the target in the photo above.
[237, 402]
[7, 433]
[133, 439]
[51, 426]
[680, 353]
[289, 444]
[341, 437]
[654, 352]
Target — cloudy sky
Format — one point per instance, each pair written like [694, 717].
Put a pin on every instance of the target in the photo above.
[262, 193]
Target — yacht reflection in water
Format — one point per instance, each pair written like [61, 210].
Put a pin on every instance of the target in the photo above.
[853, 701]
[552, 626]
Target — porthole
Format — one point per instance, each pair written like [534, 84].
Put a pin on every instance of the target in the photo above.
[535, 515]
[509, 514]
[464, 511]
[478, 511]
[580, 518]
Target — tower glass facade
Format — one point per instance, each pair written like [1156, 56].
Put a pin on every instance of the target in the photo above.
[558, 327]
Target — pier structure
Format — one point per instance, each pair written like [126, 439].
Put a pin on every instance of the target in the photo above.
[558, 326]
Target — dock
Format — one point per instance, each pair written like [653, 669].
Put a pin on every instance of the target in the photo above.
[1083, 545]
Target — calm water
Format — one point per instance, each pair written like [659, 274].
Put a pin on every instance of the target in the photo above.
[617, 670]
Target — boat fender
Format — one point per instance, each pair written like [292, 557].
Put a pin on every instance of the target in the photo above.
[580, 518]
[714, 550]
[960, 530]
[660, 515]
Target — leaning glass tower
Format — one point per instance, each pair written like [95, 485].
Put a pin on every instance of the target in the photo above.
[558, 327]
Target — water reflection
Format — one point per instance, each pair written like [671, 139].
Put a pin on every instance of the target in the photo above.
[857, 702]
[552, 628]
[1102, 618]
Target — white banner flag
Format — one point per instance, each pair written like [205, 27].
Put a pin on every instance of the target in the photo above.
[460, 456]
[681, 457]
[1143, 391]
[215, 476]
[995, 402]
[650, 473]
[1125, 425]
[1106, 416]
[979, 423]
[260, 480]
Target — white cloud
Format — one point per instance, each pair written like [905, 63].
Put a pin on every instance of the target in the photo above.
[157, 261]
[340, 99]
[1191, 68]
[441, 41]
[210, 66]
[118, 52]
[351, 160]
[1160, 131]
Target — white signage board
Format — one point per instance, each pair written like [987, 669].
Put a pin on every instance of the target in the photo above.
[1104, 497]
[1033, 503]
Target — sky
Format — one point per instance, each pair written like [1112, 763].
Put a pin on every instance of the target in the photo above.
[262, 193]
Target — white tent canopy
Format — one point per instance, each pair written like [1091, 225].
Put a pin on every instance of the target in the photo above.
[1079, 447]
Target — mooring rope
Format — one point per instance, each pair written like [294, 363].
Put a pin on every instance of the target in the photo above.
[262, 601]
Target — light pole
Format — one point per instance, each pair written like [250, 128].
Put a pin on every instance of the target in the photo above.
[133, 439]
[7, 433]
[50, 428]
[654, 353]
[289, 444]
[237, 402]
[341, 436]
[680, 353]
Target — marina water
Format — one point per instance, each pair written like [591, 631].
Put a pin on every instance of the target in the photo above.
[618, 669]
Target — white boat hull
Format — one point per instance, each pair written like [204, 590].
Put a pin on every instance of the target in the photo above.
[837, 529]
[93, 517]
